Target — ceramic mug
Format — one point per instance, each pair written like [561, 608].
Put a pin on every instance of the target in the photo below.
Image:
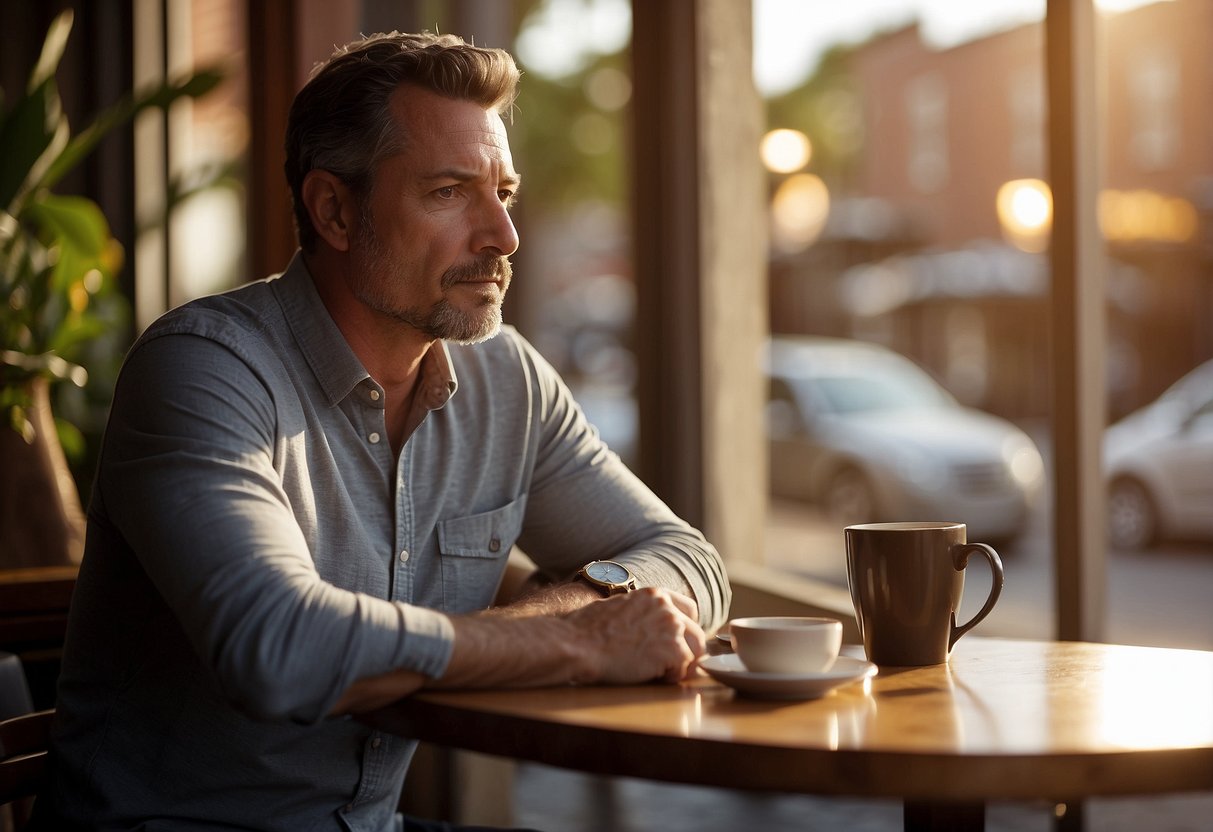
[906, 581]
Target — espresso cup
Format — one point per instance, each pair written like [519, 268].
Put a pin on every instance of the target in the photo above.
[906, 581]
[786, 643]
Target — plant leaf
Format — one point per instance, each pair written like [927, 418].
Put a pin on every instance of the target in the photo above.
[76, 227]
[53, 46]
[74, 221]
[70, 438]
[43, 364]
[76, 330]
[35, 131]
[128, 107]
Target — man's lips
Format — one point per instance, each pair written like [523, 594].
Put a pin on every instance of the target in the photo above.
[491, 271]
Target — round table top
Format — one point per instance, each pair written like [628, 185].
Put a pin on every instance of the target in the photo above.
[1003, 719]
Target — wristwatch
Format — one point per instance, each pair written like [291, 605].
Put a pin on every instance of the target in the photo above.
[608, 577]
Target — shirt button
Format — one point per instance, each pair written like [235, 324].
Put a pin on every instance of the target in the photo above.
[376, 742]
[374, 438]
[374, 395]
[404, 556]
[495, 545]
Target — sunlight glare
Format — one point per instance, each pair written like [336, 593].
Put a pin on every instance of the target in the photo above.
[1117, 6]
[791, 36]
[1140, 713]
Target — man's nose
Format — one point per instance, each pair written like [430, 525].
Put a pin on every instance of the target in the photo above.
[496, 232]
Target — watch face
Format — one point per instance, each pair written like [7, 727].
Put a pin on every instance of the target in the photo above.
[607, 572]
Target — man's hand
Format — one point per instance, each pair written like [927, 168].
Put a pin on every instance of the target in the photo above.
[639, 636]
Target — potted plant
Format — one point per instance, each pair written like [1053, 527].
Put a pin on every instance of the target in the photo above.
[58, 264]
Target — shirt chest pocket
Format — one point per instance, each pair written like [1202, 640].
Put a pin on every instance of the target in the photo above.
[474, 551]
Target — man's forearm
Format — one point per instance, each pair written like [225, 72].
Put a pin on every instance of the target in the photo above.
[551, 599]
[517, 646]
[638, 637]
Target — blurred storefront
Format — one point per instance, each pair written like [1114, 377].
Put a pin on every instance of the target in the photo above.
[938, 223]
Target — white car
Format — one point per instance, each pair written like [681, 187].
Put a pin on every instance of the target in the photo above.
[869, 436]
[1159, 466]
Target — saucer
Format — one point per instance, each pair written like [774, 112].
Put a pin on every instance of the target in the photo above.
[728, 669]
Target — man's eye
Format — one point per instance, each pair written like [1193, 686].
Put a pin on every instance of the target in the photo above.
[508, 198]
[446, 193]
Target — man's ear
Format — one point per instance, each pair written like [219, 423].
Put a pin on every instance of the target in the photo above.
[332, 206]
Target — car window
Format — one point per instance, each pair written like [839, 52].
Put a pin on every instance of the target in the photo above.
[1193, 388]
[1201, 421]
[783, 412]
[882, 389]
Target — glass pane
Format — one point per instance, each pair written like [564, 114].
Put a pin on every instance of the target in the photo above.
[911, 211]
[908, 284]
[208, 140]
[1155, 208]
[575, 296]
[189, 162]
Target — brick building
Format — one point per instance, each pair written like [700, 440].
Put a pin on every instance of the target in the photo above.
[943, 131]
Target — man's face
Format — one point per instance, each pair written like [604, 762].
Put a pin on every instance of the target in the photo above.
[434, 234]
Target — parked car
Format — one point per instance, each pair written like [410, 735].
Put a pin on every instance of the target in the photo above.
[869, 436]
[1159, 466]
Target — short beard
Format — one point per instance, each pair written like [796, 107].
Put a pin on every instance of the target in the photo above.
[442, 320]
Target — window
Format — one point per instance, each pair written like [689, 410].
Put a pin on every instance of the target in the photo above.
[189, 194]
[944, 258]
[1154, 103]
[926, 103]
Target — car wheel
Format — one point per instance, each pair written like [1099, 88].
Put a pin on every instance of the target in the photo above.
[1132, 517]
[849, 498]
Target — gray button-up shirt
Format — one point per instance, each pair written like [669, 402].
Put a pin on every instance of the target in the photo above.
[255, 547]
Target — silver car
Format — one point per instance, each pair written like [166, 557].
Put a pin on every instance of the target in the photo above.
[1159, 466]
[869, 436]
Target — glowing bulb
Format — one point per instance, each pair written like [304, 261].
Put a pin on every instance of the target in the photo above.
[785, 151]
[1030, 207]
[1025, 210]
[799, 212]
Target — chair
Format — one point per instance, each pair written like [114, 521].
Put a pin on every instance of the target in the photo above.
[34, 606]
[24, 741]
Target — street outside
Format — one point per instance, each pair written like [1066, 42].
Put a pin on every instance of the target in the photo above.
[1161, 597]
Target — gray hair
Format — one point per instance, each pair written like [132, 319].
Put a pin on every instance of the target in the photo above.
[341, 122]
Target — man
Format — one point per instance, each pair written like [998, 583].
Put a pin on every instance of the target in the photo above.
[309, 487]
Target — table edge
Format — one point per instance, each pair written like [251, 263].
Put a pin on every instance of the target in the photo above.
[714, 762]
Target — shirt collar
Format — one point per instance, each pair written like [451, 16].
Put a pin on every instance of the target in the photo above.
[326, 351]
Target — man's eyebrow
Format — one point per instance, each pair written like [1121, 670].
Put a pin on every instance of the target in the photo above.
[469, 175]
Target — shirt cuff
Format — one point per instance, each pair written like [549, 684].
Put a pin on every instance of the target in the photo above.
[428, 640]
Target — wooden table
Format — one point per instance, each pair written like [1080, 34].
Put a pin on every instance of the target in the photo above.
[1003, 720]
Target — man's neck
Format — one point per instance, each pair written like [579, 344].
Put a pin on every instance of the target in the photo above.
[390, 352]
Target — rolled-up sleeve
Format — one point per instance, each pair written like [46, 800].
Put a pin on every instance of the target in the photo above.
[189, 482]
[585, 504]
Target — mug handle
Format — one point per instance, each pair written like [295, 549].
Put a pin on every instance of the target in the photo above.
[960, 560]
